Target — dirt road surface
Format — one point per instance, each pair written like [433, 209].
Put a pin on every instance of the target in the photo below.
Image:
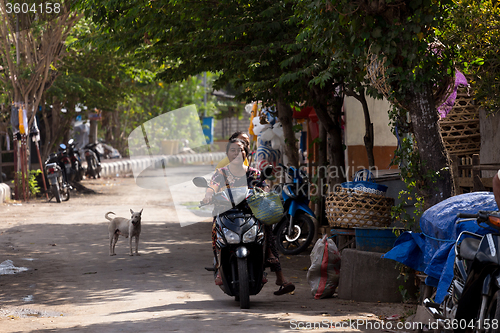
[73, 285]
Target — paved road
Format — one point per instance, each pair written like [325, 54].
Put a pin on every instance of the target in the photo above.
[73, 285]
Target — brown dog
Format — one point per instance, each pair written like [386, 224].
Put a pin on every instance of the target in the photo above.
[125, 227]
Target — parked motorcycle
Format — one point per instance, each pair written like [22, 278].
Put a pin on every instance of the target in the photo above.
[93, 158]
[473, 300]
[65, 163]
[59, 188]
[240, 243]
[77, 170]
[295, 232]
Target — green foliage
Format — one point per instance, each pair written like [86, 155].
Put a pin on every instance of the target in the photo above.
[157, 98]
[475, 30]
[243, 41]
[405, 273]
[31, 181]
[408, 160]
[419, 180]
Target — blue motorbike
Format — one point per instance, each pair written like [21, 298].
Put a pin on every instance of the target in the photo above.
[295, 232]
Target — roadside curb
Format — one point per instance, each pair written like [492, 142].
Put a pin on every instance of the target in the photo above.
[112, 168]
[4, 192]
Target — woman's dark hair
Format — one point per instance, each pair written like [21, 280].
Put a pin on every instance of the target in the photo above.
[245, 146]
[236, 135]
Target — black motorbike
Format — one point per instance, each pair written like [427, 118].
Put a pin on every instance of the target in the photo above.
[473, 300]
[296, 230]
[59, 188]
[93, 158]
[65, 163]
[77, 170]
[240, 244]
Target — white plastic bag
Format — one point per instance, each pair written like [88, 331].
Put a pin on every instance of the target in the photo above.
[267, 134]
[276, 142]
[258, 127]
[324, 274]
[278, 130]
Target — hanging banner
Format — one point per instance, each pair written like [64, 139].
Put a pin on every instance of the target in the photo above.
[19, 118]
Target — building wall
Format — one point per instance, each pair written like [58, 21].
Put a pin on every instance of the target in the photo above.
[384, 141]
[223, 128]
[490, 140]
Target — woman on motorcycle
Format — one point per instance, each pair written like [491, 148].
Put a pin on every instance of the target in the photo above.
[235, 174]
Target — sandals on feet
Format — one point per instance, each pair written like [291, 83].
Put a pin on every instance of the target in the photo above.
[285, 288]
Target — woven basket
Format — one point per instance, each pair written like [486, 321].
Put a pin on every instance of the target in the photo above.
[348, 209]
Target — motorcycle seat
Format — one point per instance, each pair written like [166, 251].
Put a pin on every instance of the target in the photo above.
[468, 248]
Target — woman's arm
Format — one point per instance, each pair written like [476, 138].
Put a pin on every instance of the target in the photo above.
[215, 185]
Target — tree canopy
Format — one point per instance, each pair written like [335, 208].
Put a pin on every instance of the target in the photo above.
[31, 45]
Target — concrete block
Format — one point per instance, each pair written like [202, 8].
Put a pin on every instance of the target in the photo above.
[4, 192]
[366, 277]
[104, 169]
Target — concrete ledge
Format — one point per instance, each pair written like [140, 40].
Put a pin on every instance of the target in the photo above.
[4, 192]
[366, 277]
[111, 168]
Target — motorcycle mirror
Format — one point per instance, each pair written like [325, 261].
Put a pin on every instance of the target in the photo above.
[200, 182]
[62, 146]
[70, 141]
[267, 173]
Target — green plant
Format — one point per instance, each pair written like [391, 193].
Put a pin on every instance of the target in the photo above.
[31, 181]
[405, 273]
[419, 183]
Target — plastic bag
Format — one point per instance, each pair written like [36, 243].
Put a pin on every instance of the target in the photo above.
[266, 207]
[267, 134]
[324, 274]
[363, 181]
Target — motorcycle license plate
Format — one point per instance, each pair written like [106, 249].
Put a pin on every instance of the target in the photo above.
[52, 179]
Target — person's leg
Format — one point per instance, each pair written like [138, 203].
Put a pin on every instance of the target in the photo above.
[272, 254]
[218, 279]
[275, 265]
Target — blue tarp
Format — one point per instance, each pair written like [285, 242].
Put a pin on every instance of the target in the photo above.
[431, 251]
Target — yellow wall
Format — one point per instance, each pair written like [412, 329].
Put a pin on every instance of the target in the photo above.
[384, 141]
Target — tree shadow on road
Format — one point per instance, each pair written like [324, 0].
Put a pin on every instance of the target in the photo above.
[70, 265]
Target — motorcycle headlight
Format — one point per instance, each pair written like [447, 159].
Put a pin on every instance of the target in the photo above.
[231, 236]
[250, 235]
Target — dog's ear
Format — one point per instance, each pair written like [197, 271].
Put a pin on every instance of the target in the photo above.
[141, 211]
[131, 211]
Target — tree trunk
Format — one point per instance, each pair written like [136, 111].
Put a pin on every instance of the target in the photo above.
[285, 114]
[368, 138]
[322, 177]
[433, 155]
[330, 118]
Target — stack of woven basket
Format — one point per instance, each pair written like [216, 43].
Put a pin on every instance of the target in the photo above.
[354, 205]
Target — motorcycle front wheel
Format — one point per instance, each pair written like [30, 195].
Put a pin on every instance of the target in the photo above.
[244, 284]
[301, 236]
[492, 317]
[55, 192]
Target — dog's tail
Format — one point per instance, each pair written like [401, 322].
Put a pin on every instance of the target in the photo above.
[106, 216]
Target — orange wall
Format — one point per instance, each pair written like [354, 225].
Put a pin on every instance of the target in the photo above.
[357, 159]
